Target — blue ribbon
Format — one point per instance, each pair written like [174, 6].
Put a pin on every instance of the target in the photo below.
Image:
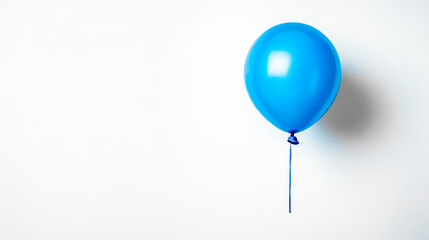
[293, 141]
[290, 167]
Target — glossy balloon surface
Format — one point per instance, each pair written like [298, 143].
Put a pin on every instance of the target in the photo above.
[292, 75]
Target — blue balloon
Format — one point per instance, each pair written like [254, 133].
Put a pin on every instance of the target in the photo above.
[292, 75]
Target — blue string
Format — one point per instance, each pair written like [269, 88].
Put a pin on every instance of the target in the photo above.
[290, 172]
[292, 140]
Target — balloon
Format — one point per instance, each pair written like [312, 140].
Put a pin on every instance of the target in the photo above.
[292, 75]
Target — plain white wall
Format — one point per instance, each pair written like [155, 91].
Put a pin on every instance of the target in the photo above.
[130, 120]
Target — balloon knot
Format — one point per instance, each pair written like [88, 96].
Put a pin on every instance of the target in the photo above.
[292, 139]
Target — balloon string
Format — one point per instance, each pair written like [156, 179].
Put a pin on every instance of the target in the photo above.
[292, 140]
[290, 172]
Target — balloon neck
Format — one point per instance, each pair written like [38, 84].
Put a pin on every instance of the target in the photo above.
[292, 139]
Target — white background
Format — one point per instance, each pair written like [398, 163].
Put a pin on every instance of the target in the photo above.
[130, 120]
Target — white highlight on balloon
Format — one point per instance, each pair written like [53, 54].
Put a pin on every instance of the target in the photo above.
[278, 64]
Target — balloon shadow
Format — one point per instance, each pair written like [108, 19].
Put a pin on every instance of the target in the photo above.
[355, 111]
